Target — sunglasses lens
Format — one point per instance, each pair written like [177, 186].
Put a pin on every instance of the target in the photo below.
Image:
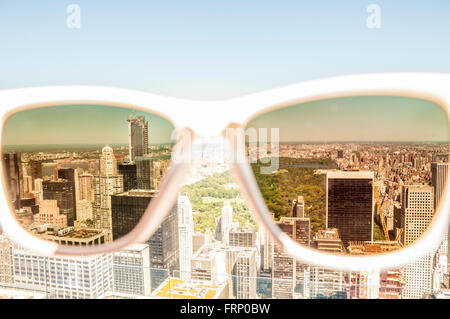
[354, 175]
[83, 174]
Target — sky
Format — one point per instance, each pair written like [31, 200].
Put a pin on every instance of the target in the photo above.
[212, 50]
[363, 118]
[80, 124]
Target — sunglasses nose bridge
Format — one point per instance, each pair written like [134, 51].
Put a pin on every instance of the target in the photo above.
[207, 119]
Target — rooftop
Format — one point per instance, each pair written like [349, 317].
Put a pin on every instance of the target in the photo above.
[138, 193]
[189, 289]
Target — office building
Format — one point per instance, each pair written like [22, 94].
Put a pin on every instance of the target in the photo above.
[439, 176]
[185, 235]
[106, 184]
[138, 137]
[65, 277]
[128, 171]
[209, 263]
[226, 221]
[298, 207]
[12, 163]
[86, 187]
[71, 175]
[36, 169]
[132, 273]
[327, 283]
[143, 172]
[349, 204]
[49, 214]
[416, 214]
[164, 248]
[244, 274]
[6, 269]
[84, 211]
[242, 237]
[62, 191]
[286, 271]
[127, 208]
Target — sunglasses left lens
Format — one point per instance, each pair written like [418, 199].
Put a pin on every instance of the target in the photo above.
[83, 175]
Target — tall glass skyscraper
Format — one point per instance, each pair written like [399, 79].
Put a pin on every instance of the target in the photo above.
[138, 136]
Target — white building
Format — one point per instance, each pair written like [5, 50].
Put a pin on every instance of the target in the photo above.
[185, 234]
[226, 222]
[132, 273]
[245, 273]
[417, 213]
[108, 183]
[66, 277]
[86, 186]
[84, 211]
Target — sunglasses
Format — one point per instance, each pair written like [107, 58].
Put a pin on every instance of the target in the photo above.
[347, 173]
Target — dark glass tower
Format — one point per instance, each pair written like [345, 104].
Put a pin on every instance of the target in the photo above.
[128, 171]
[12, 164]
[144, 172]
[62, 191]
[350, 205]
[127, 208]
[36, 169]
[70, 175]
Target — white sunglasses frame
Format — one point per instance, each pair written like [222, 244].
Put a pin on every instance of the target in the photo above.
[210, 119]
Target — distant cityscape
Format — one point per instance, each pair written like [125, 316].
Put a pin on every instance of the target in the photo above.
[355, 198]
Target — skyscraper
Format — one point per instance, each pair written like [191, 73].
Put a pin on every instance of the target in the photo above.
[12, 163]
[286, 270]
[225, 221]
[439, 176]
[349, 204]
[71, 175]
[327, 283]
[417, 213]
[36, 169]
[62, 191]
[241, 237]
[244, 274]
[86, 187]
[439, 173]
[185, 233]
[107, 183]
[164, 249]
[298, 207]
[138, 136]
[127, 208]
[128, 171]
[143, 172]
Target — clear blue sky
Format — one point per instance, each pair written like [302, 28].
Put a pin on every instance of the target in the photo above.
[205, 49]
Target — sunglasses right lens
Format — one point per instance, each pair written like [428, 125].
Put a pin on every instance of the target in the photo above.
[355, 175]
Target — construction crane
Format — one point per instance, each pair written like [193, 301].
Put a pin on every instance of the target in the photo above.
[380, 212]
